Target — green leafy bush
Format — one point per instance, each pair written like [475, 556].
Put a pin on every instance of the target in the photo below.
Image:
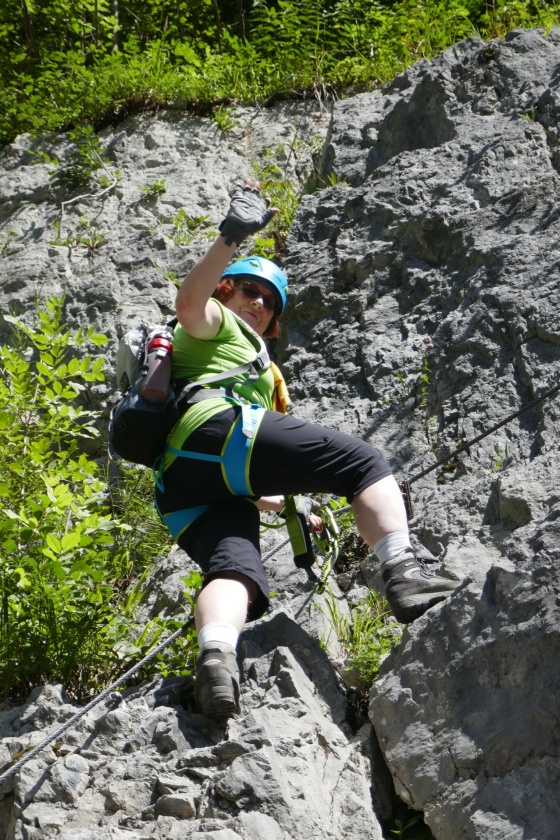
[69, 64]
[70, 546]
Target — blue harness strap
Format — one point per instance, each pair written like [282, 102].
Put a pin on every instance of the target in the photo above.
[179, 520]
[235, 461]
[237, 451]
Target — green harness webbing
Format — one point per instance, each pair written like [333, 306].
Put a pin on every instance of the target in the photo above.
[300, 538]
[235, 459]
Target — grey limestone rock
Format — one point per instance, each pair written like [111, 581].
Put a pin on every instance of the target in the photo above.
[289, 766]
[486, 660]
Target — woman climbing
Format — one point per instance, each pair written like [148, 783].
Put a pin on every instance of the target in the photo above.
[234, 452]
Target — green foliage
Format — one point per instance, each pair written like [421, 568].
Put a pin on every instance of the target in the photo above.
[264, 246]
[172, 276]
[54, 532]
[69, 546]
[225, 119]
[142, 536]
[501, 458]
[280, 191]
[366, 636]
[70, 64]
[90, 239]
[186, 227]
[370, 631]
[83, 158]
[411, 830]
[178, 659]
[7, 239]
[154, 189]
[424, 382]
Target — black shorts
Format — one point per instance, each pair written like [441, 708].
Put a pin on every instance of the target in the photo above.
[290, 456]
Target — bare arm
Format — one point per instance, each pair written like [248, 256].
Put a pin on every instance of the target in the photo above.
[197, 314]
[276, 504]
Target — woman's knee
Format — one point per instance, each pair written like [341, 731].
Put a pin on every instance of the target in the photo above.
[247, 582]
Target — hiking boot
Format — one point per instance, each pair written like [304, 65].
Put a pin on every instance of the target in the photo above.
[411, 588]
[216, 688]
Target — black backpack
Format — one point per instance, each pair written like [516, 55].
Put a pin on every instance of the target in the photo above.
[138, 429]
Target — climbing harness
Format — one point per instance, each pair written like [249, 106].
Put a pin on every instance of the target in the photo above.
[234, 459]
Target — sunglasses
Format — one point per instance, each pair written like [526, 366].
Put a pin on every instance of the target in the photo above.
[253, 292]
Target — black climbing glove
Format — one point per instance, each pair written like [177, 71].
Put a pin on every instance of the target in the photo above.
[304, 505]
[248, 213]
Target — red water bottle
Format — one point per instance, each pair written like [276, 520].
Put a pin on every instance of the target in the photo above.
[154, 384]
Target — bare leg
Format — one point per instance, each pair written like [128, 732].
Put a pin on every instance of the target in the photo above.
[379, 510]
[225, 599]
[410, 587]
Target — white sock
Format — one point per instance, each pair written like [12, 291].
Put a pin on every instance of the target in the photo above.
[218, 631]
[389, 548]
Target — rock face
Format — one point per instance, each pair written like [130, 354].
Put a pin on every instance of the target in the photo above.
[143, 766]
[429, 287]
[424, 310]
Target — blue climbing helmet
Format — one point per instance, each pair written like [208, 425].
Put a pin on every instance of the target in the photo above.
[265, 272]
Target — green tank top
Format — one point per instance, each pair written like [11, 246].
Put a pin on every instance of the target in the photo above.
[195, 358]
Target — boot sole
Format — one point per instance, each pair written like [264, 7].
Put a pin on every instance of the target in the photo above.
[409, 607]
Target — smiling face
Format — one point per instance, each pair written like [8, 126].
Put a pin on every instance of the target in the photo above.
[254, 303]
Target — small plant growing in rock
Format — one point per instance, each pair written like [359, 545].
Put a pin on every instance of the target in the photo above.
[7, 240]
[83, 158]
[319, 182]
[91, 240]
[186, 227]
[225, 119]
[178, 659]
[402, 830]
[423, 382]
[282, 193]
[335, 179]
[402, 390]
[402, 387]
[501, 458]
[172, 277]
[154, 189]
[264, 247]
[366, 636]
